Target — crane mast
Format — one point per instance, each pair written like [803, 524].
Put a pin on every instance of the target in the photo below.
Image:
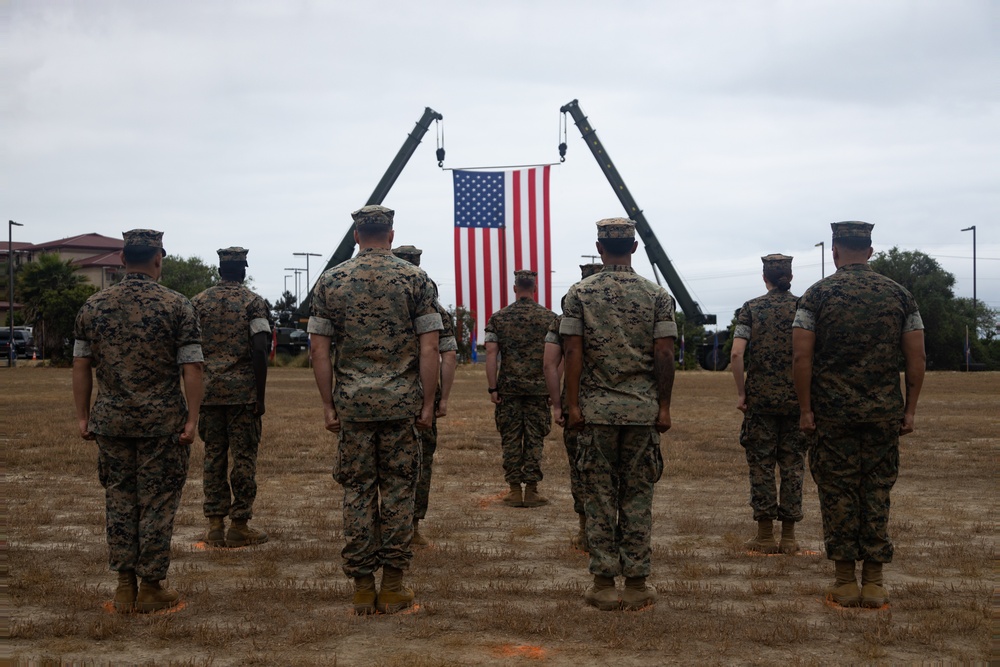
[657, 255]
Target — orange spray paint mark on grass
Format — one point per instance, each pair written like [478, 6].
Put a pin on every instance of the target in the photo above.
[491, 500]
[833, 605]
[202, 546]
[109, 607]
[520, 651]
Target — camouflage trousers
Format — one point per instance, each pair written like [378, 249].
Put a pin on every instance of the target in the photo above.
[377, 464]
[428, 445]
[619, 465]
[142, 479]
[230, 431]
[855, 467]
[771, 440]
[571, 441]
[523, 422]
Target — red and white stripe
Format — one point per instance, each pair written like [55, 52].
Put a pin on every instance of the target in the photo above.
[485, 258]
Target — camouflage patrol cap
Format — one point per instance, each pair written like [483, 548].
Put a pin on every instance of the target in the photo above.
[233, 254]
[525, 274]
[587, 270]
[615, 228]
[852, 229]
[144, 238]
[373, 216]
[409, 253]
[777, 261]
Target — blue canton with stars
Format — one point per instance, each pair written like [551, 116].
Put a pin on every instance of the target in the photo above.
[479, 199]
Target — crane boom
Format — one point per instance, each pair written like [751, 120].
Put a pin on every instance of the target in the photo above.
[657, 255]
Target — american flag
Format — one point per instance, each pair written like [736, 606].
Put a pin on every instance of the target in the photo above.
[501, 226]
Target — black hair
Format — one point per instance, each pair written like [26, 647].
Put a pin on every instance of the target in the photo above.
[140, 255]
[617, 247]
[853, 243]
[232, 271]
[370, 233]
[524, 283]
[778, 277]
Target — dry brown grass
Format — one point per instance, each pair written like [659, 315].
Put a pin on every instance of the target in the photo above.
[501, 585]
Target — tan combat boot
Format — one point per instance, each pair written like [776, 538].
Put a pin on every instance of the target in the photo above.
[418, 540]
[579, 541]
[216, 535]
[364, 595]
[764, 541]
[153, 597]
[602, 594]
[788, 545]
[242, 535]
[844, 591]
[531, 497]
[513, 498]
[637, 594]
[873, 595]
[393, 596]
[125, 593]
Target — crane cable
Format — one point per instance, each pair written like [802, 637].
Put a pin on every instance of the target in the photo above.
[439, 132]
[562, 144]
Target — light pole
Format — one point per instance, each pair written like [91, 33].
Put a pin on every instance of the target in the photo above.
[307, 255]
[822, 258]
[975, 322]
[287, 276]
[11, 352]
[297, 272]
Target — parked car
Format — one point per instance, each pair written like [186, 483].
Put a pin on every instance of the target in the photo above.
[23, 343]
[292, 342]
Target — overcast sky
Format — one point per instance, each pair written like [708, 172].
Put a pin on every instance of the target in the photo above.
[741, 128]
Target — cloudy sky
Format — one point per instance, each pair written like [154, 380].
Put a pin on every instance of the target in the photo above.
[741, 128]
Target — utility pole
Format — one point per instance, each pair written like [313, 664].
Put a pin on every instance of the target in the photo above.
[822, 258]
[11, 352]
[297, 272]
[307, 255]
[975, 322]
[287, 276]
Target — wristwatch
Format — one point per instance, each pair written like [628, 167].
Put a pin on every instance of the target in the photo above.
[492, 390]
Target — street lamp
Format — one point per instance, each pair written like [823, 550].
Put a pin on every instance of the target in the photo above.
[974, 318]
[11, 352]
[297, 272]
[822, 258]
[307, 255]
[287, 276]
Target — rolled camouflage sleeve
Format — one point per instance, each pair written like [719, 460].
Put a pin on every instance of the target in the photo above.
[913, 321]
[572, 317]
[664, 325]
[188, 339]
[426, 316]
[322, 312]
[490, 332]
[744, 323]
[260, 318]
[805, 311]
[81, 342]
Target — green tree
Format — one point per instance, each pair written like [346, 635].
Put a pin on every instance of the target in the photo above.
[188, 276]
[932, 287]
[53, 292]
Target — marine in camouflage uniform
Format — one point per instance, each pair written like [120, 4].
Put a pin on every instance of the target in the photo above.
[379, 314]
[448, 348]
[770, 433]
[618, 334]
[852, 331]
[553, 366]
[135, 335]
[517, 335]
[236, 328]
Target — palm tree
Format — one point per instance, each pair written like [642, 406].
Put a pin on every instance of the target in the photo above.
[52, 293]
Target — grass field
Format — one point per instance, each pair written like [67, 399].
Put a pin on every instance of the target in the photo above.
[500, 585]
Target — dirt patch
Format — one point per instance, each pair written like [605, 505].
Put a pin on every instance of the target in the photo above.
[500, 585]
